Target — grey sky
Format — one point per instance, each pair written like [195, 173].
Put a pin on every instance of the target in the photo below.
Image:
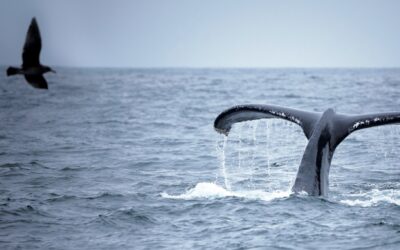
[206, 33]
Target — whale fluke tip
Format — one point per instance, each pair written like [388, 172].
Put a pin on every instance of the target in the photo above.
[222, 131]
[221, 126]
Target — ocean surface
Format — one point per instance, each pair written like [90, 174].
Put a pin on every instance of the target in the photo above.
[129, 159]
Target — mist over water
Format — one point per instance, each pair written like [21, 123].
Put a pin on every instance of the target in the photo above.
[129, 159]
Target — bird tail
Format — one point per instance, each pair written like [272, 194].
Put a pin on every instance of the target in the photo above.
[12, 71]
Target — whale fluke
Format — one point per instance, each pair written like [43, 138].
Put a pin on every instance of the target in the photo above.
[324, 131]
[347, 124]
[226, 119]
[31, 68]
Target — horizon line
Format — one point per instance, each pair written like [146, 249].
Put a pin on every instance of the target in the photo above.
[223, 67]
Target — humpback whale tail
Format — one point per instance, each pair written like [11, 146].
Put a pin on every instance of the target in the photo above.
[324, 131]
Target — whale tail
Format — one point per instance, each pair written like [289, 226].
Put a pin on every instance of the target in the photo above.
[342, 125]
[12, 71]
[324, 131]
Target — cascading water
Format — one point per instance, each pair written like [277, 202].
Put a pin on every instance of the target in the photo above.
[249, 160]
[221, 156]
[268, 171]
[239, 162]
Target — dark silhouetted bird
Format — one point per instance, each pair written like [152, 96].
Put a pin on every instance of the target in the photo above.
[31, 68]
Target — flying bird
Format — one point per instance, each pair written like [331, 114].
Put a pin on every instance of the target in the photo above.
[31, 68]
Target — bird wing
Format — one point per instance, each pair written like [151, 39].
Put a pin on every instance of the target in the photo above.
[37, 81]
[32, 46]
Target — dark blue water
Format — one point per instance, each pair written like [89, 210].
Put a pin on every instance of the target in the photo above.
[128, 159]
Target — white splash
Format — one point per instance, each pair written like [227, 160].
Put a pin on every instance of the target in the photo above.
[201, 190]
[207, 190]
[373, 197]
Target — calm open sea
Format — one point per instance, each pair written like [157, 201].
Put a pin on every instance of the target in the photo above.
[129, 159]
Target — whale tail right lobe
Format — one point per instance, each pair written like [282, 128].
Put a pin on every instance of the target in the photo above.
[347, 124]
[12, 71]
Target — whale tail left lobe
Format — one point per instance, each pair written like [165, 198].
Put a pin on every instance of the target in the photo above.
[306, 120]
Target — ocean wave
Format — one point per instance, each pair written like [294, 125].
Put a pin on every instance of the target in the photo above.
[101, 195]
[26, 212]
[125, 217]
[10, 165]
[73, 168]
[207, 190]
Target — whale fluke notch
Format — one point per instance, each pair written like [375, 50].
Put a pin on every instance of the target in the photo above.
[324, 131]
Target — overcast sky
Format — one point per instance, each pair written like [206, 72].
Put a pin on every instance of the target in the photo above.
[206, 33]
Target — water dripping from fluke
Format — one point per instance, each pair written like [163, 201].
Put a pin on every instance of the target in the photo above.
[222, 159]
